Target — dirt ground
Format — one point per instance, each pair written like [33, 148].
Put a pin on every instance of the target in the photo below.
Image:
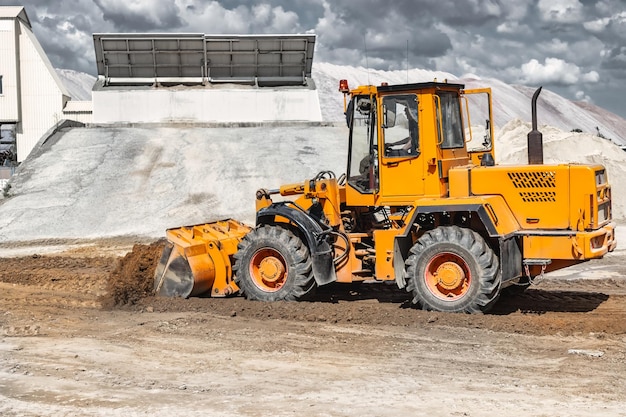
[76, 341]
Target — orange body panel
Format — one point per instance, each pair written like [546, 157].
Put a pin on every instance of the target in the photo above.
[537, 195]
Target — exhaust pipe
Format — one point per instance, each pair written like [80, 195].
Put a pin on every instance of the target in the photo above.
[535, 138]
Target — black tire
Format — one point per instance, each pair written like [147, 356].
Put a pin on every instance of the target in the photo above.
[273, 264]
[452, 269]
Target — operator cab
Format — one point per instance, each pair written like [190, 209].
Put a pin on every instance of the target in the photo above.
[403, 141]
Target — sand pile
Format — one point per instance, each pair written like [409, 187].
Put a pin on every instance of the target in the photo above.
[93, 183]
[560, 147]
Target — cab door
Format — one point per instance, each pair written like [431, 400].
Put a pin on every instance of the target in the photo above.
[478, 125]
[401, 165]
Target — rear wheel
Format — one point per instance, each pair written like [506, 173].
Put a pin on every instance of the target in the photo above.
[273, 264]
[453, 269]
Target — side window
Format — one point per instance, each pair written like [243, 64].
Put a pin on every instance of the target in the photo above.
[449, 122]
[400, 125]
[477, 120]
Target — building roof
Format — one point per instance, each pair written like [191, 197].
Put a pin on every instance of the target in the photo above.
[12, 12]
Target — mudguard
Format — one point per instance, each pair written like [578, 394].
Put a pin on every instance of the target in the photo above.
[321, 252]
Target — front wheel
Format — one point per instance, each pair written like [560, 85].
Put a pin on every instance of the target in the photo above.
[453, 269]
[273, 264]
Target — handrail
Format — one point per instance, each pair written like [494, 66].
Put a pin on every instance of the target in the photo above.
[469, 122]
[438, 112]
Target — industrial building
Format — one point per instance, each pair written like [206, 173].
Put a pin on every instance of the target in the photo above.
[32, 96]
[147, 78]
[181, 78]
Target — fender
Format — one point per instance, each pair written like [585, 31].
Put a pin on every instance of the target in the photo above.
[321, 252]
[479, 208]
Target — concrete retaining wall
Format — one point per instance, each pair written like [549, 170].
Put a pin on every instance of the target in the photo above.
[164, 105]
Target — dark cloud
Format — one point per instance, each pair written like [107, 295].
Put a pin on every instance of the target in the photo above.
[419, 13]
[308, 11]
[383, 32]
[615, 60]
[126, 17]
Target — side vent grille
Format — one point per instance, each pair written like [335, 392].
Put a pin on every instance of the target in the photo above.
[530, 181]
[538, 197]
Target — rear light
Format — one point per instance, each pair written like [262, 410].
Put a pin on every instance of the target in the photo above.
[343, 86]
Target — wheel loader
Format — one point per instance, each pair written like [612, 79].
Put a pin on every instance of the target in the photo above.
[422, 203]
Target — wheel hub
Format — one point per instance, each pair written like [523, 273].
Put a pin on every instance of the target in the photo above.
[450, 275]
[447, 276]
[271, 269]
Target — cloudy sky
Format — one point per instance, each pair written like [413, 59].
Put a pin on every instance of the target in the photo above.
[576, 48]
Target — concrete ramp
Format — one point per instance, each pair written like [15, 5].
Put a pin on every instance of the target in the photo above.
[99, 182]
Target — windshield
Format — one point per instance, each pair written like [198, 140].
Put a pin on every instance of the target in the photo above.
[362, 158]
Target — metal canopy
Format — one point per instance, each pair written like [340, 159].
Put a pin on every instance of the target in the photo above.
[192, 58]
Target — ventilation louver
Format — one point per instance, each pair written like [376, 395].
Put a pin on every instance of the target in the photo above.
[533, 185]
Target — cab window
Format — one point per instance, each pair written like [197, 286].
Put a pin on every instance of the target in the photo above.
[449, 122]
[400, 126]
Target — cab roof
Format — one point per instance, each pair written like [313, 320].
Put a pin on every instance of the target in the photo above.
[419, 86]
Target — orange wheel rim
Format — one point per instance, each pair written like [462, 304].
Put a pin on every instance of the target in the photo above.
[268, 270]
[447, 276]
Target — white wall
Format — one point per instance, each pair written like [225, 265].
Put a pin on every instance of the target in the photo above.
[42, 93]
[9, 109]
[79, 111]
[164, 105]
[33, 95]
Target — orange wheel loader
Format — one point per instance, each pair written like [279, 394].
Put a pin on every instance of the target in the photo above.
[422, 203]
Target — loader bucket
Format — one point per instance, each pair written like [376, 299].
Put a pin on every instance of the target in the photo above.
[197, 260]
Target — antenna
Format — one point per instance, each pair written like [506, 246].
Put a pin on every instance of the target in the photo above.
[367, 65]
[407, 61]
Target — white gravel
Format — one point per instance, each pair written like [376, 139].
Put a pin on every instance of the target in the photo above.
[107, 182]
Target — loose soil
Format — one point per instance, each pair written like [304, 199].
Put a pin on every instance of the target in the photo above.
[80, 335]
[133, 277]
